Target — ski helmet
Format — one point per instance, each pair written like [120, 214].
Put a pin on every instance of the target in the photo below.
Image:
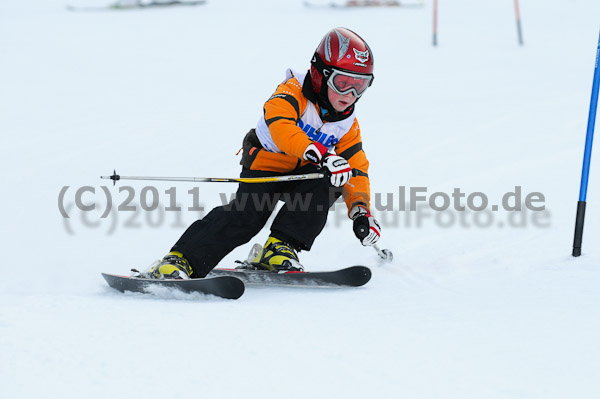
[341, 52]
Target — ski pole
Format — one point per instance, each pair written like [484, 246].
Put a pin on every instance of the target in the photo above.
[384, 254]
[362, 231]
[435, 22]
[518, 19]
[269, 179]
[585, 172]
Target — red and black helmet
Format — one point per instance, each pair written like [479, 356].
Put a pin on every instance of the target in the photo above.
[341, 52]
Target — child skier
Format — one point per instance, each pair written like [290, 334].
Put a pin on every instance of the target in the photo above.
[308, 125]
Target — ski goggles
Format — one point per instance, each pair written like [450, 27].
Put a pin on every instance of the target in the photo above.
[346, 82]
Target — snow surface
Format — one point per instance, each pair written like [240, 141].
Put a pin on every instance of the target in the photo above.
[464, 311]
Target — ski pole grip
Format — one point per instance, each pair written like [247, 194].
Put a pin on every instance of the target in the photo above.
[360, 229]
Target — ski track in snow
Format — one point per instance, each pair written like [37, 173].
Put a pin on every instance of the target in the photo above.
[463, 311]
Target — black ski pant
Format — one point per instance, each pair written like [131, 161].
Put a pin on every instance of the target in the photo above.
[299, 221]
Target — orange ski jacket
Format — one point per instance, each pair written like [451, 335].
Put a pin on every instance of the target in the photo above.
[290, 123]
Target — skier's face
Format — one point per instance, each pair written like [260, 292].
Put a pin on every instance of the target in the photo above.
[340, 102]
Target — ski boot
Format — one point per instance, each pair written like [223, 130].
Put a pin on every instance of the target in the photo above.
[172, 266]
[277, 256]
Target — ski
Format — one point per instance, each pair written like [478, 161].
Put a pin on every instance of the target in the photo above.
[363, 3]
[119, 6]
[222, 286]
[354, 276]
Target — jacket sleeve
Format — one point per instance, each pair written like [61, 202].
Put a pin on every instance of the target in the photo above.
[357, 191]
[282, 112]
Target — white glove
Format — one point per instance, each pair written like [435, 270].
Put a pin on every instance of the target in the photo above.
[366, 227]
[315, 153]
[338, 168]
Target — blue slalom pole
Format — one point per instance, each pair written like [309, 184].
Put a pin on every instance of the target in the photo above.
[586, 159]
